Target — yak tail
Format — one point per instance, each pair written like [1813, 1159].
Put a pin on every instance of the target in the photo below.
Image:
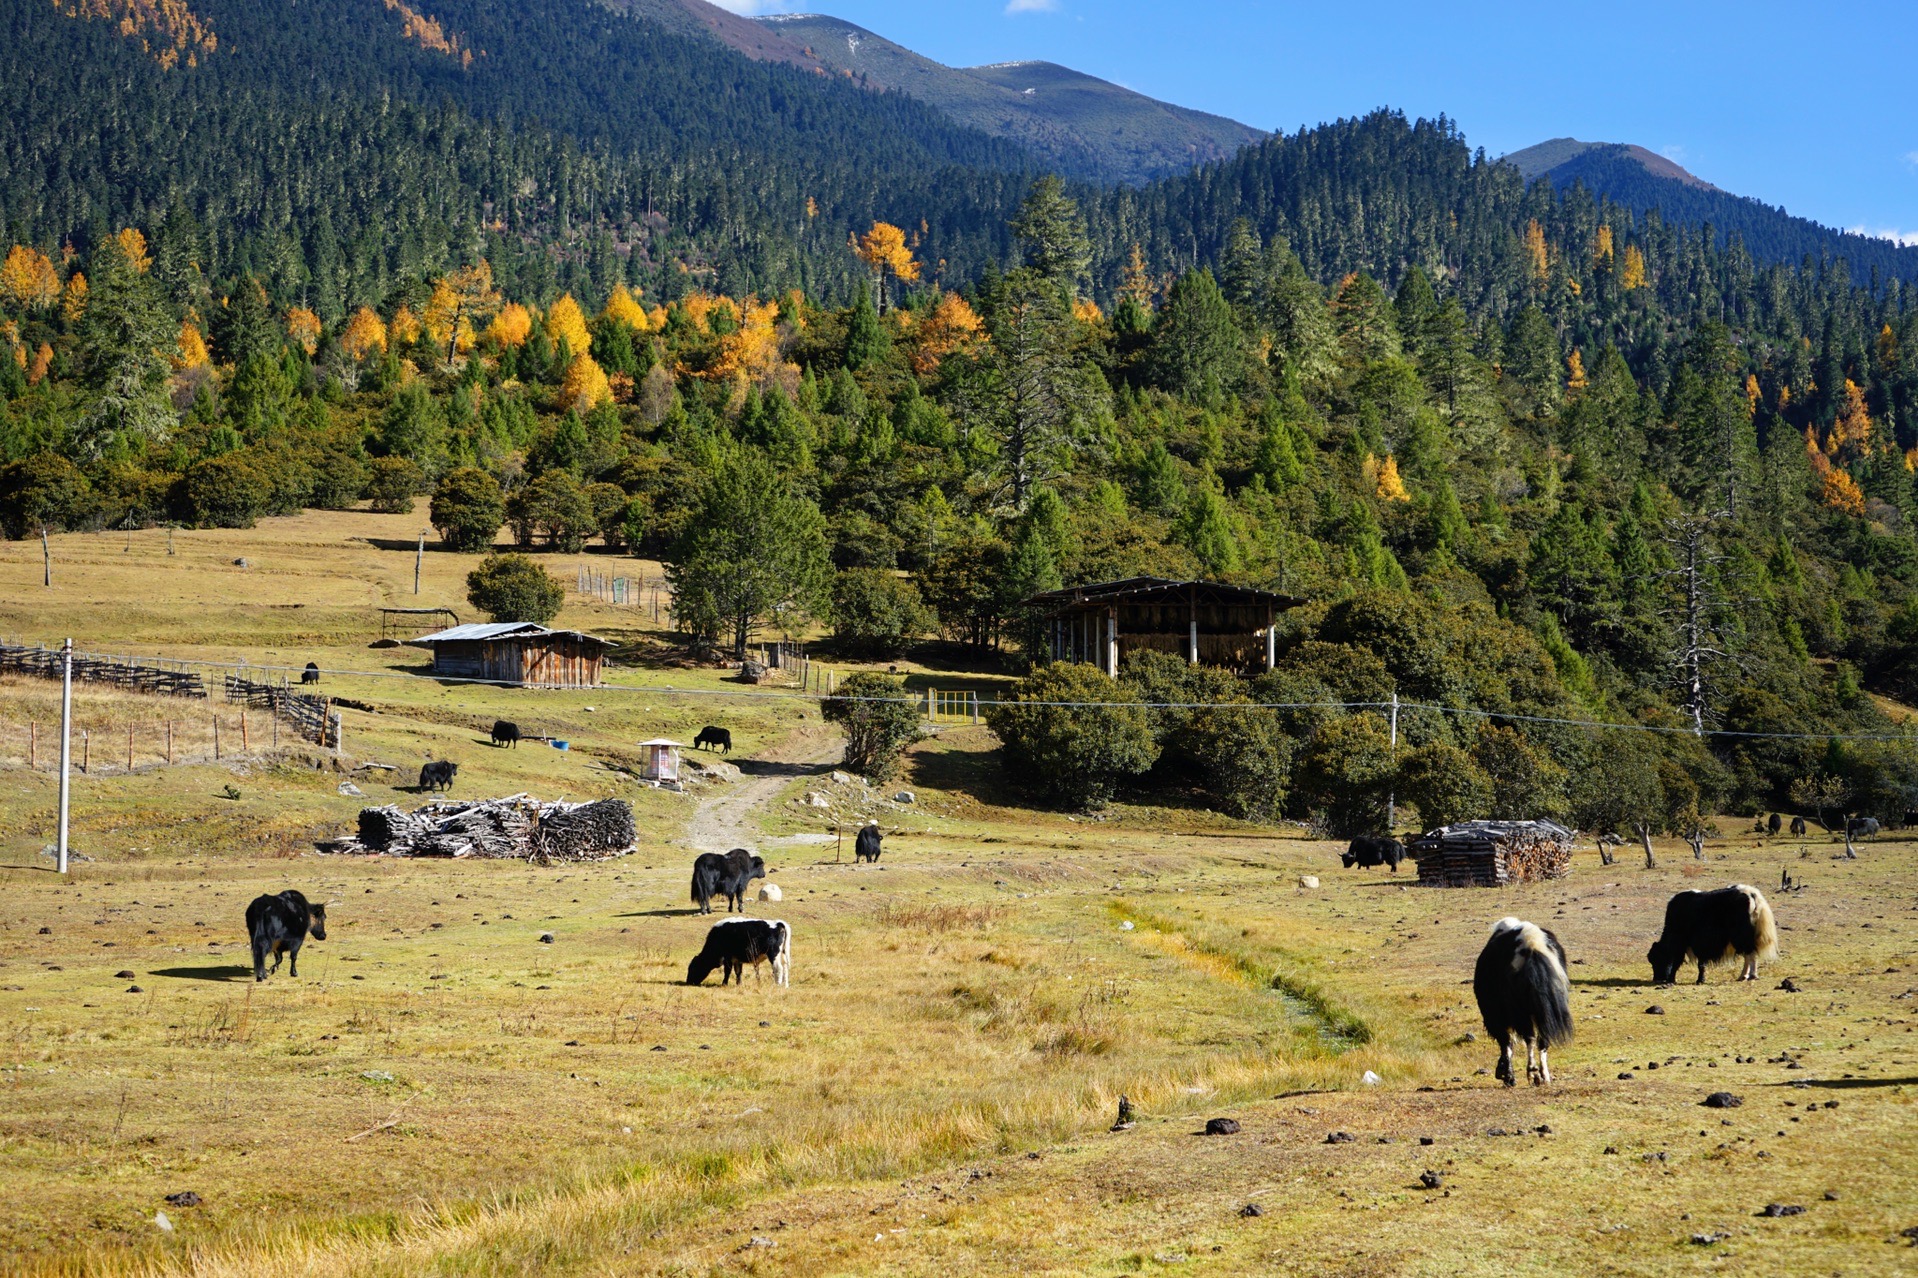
[783, 960]
[696, 887]
[1546, 988]
[1764, 927]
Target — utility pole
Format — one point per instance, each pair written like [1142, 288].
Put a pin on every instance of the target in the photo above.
[46, 559]
[66, 741]
[419, 558]
[1392, 792]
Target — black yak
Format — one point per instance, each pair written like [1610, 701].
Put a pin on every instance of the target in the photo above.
[734, 943]
[1711, 927]
[866, 846]
[1798, 827]
[718, 738]
[1523, 991]
[1775, 824]
[279, 925]
[1371, 850]
[505, 733]
[726, 875]
[311, 674]
[438, 776]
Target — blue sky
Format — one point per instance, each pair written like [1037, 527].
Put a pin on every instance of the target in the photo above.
[1808, 106]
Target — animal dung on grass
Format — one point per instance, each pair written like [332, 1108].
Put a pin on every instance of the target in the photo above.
[519, 827]
[1222, 1127]
[1493, 853]
[1722, 1100]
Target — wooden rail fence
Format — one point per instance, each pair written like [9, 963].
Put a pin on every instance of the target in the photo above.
[117, 672]
[312, 717]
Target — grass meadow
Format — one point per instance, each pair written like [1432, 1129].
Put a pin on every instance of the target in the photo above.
[440, 1091]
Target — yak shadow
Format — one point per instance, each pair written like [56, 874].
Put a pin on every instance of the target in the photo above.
[1846, 1084]
[1613, 982]
[660, 914]
[222, 972]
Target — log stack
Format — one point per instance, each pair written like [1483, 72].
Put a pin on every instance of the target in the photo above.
[518, 827]
[1493, 853]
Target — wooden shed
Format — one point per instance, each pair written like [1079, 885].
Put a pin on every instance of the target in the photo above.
[1205, 622]
[662, 760]
[517, 652]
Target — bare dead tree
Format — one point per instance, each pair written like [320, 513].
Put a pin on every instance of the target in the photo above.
[1700, 610]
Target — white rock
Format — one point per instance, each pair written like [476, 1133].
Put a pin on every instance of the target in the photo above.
[1126, 926]
[771, 892]
[351, 791]
[904, 796]
[844, 778]
[814, 799]
[160, 1219]
[1310, 881]
[1369, 1079]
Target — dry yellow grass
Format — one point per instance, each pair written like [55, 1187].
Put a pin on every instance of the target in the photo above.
[931, 1094]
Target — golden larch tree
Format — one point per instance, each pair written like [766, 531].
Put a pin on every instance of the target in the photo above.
[1631, 271]
[133, 247]
[1850, 436]
[511, 327]
[1887, 351]
[404, 328]
[460, 301]
[565, 322]
[953, 327]
[886, 254]
[192, 351]
[303, 326]
[42, 361]
[750, 352]
[1840, 492]
[28, 279]
[1390, 486]
[365, 334]
[73, 303]
[1602, 247]
[1575, 371]
[622, 307]
[1536, 252]
[1135, 281]
[585, 386]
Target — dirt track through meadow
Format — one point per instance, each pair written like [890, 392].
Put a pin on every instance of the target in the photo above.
[725, 820]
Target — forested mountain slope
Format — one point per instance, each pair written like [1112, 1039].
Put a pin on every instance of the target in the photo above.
[1637, 179]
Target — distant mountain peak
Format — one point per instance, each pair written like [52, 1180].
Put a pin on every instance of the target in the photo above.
[1558, 154]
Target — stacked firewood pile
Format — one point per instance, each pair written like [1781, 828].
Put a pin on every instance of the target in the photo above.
[1493, 853]
[518, 827]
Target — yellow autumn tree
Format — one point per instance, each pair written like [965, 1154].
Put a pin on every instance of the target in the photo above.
[585, 386]
[460, 300]
[1536, 253]
[1850, 436]
[303, 326]
[42, 361]
[565, 322]
[1815, 452]
[404, 328]
[623, 308]
[1887, 351]
[1841, 492]
[1575, 371]
[511, 327]
[1602, 247]
[133, 247]
[701, 307]
[952, 327]
[28, 279]
[1631, 271]
[192, 348]
[365, 335]
[1135, 283]
[73, 304]
[886, 254]
[1390, 486]
[1753, 393]
[1911, 459]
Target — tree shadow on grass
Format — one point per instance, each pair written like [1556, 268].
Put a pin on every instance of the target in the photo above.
[221, 972]
[1615, 982]
[1844, 1084]
[660, 914]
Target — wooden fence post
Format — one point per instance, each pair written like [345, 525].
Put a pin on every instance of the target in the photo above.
[216, 738]
[86, 748]
[33, 744]
[129, 736]
[243, 745]
[169, 741]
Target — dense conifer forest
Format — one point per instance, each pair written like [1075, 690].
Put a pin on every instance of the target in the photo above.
[1533, 460]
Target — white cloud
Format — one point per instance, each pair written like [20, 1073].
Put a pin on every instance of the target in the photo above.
[752, 8]
[1031, 6]
[1909, 239]
[1911, 158]
[1675, 153]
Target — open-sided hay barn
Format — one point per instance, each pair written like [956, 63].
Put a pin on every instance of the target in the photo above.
[1205, 622]
[517, 652]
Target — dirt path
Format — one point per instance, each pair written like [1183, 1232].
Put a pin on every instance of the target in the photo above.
[724, 820]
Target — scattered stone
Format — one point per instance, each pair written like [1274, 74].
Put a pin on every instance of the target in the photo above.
[1470, 1036]
[1654, 1010]
[1831, 1195]
[1340, 1138]
[572, 1042]
[1788, 986]
[1723, 1100]
[134, 989]
[1431, 1180]
[1543, 1129]
[771, 892]
[1706, 1240]
[1170, 1258]
[1126, 926]
[1251, 1209]
[1369, 1079]
[351, 791]
[1611, 1149]
[905, 796]
[1222, 1127]
[814, 799]
[765, 1024]
[162, 1223]
[1310, 882]
[376, 1076]
[758, 1241]
[545, 938]
[1425, 1140]
[659, 1047]
[125, 974]
[46, 931]
[1774, 1210]
[185, 1198]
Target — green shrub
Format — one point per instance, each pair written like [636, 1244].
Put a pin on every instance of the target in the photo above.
[1344, 772]
[339, 480]
[514, 588]
[468, 509]
[876, 613]
[227, 491]
[1067, 735]
[879, 720]
[44, 490]
[1445, 784]
[392, 483]
[1246, 758]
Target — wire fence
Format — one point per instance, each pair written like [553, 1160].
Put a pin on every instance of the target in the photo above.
[103, 747]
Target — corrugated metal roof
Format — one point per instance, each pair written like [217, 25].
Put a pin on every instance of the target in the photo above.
[476, 630]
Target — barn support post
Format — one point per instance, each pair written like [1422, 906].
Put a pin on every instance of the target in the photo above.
[1112, 642]
[66, 744]
[419, 558]
[1391, 793]
[1192, 625]
[1272, 638]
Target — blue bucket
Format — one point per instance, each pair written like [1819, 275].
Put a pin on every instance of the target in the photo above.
[562, 745]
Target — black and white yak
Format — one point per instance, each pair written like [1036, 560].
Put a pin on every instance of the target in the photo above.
[1523, 992]
[278, 926]
[1712, 927]
[733, 944]
[727, 875]
[1372, 850]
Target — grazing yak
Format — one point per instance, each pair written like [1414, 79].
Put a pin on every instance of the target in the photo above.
[1862, 828]
[720, 739]
[505, 734]
[279, 925]
[866, 846]
[1775, 824]
[732, 944]
[728, 876]
[1370, 850]
[1798, 827]
[1523, 992]
[438, 776]
[1711, 927]
[311, 674]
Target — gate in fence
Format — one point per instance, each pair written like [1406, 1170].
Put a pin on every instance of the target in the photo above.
[311, 717]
